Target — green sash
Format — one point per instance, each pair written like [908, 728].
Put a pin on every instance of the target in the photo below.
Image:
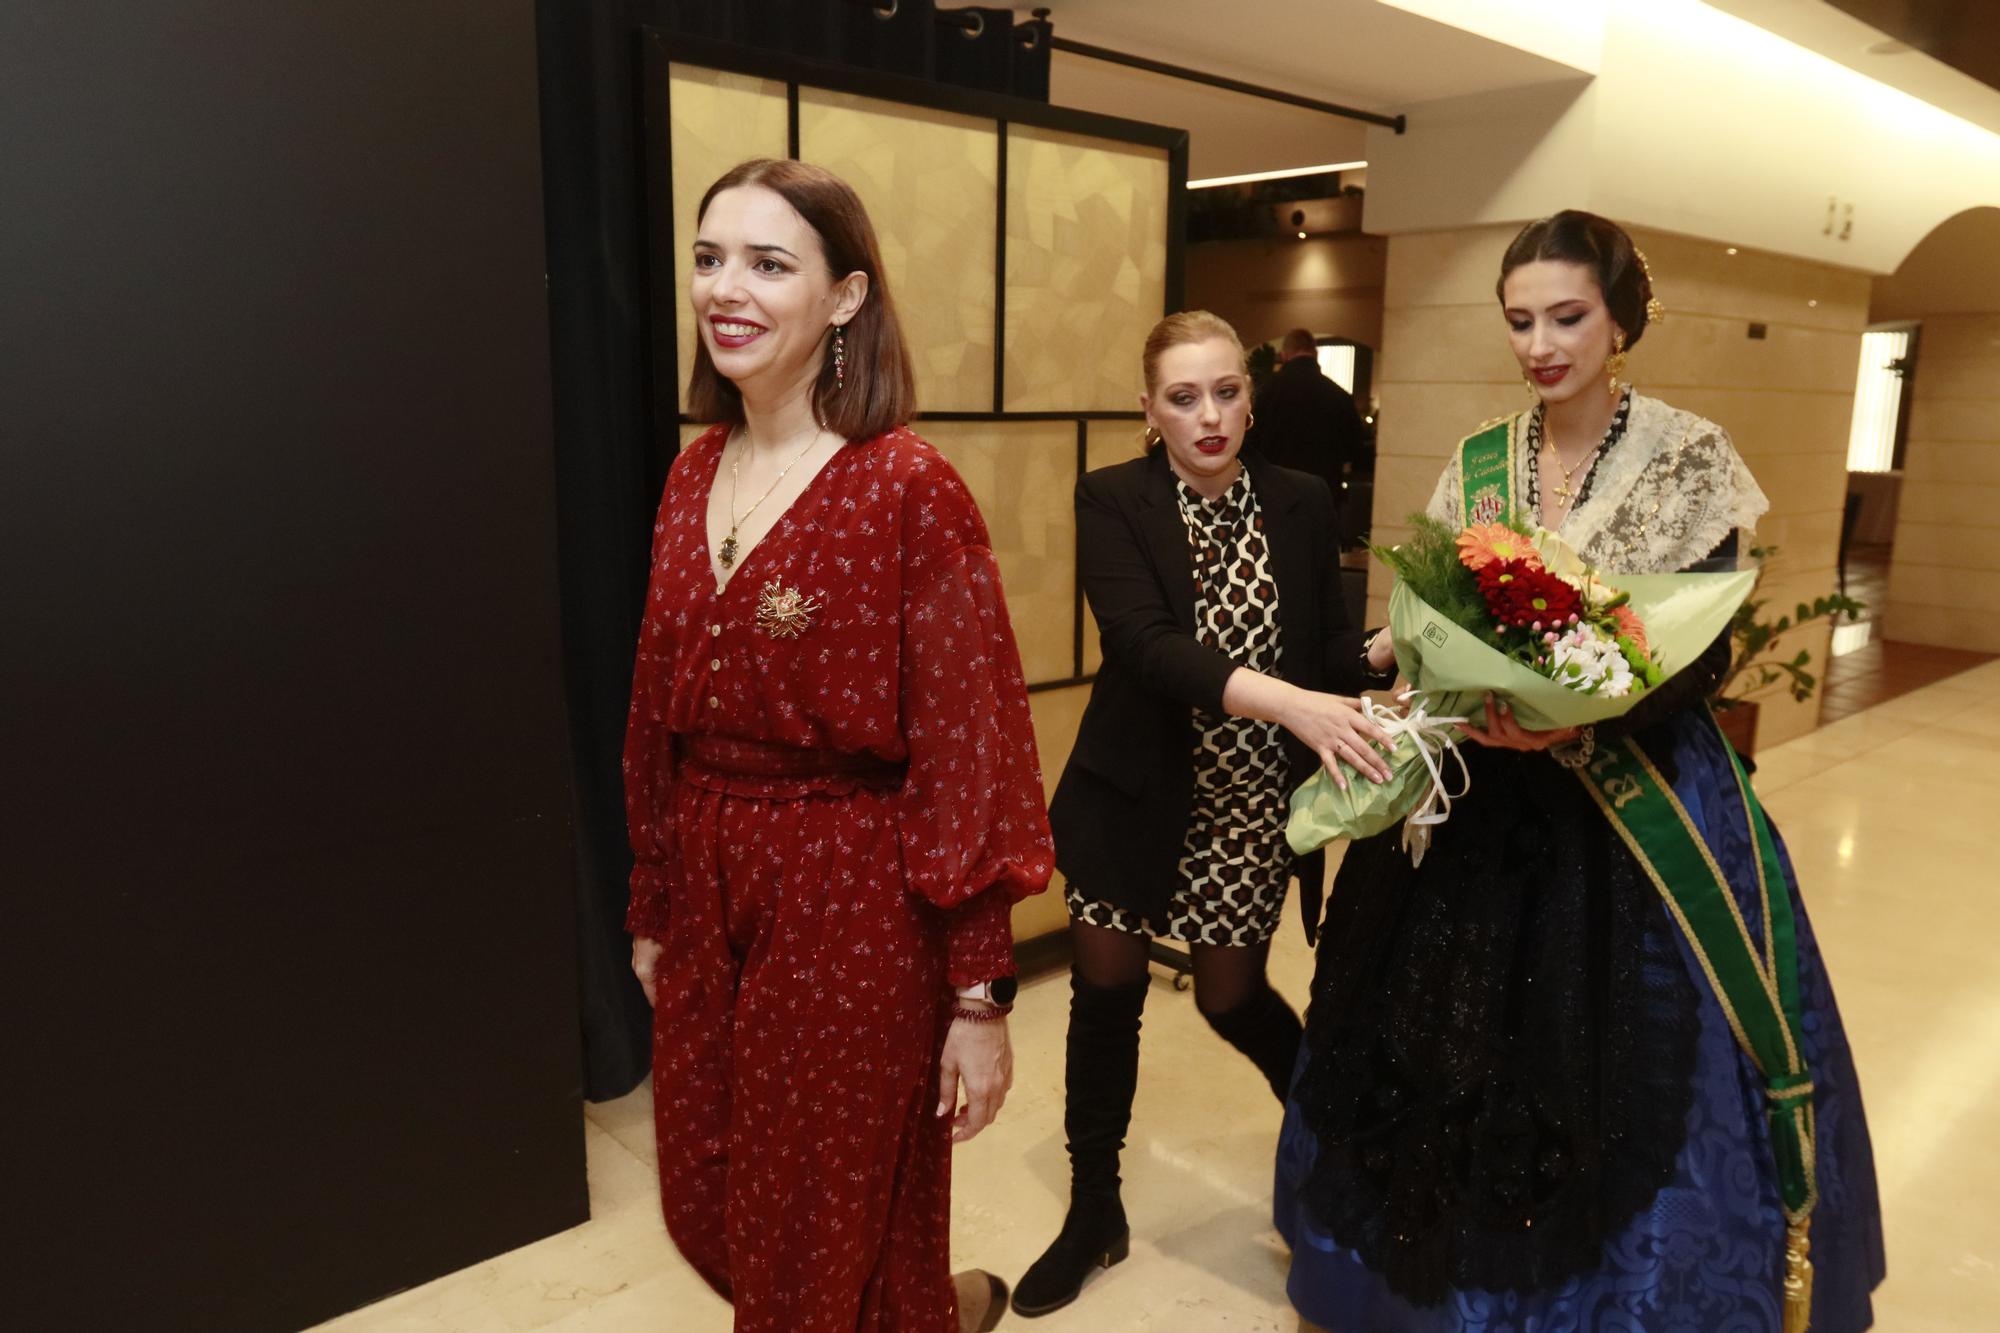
[1486, 472]
[1759, 993]
[1757, 989]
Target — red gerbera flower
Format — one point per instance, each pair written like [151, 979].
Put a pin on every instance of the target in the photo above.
[1521, 595]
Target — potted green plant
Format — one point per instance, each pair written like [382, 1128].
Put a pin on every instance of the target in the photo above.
[1750, 674]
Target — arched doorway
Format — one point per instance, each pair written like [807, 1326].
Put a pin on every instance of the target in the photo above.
[1921, 544]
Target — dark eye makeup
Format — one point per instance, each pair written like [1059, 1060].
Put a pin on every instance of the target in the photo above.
[1523, 325]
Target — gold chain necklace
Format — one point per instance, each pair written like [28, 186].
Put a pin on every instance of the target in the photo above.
[726, 554]
[1565, 492]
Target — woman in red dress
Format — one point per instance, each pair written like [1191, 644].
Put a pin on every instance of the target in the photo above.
[832, 791]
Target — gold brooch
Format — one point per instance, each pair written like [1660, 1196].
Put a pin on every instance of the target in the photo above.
[784, 613]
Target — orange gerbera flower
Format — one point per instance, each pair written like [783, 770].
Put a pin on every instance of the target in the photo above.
[1631, 626]
[1485, 544]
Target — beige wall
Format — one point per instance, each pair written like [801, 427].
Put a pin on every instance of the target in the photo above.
[1329, 284]
[1786, 399]
[1944, 579]
[1701, 124]
[1955, 271]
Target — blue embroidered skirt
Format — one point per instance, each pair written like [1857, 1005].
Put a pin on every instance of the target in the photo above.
[1706, 1254]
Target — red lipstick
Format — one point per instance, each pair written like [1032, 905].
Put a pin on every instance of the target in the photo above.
[731, 331]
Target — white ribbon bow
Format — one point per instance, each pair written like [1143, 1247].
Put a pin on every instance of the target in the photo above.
[1430, 737]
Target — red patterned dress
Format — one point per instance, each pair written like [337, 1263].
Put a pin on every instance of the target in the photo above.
[812, 919]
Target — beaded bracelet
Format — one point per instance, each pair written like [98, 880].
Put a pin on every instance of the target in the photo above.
[961, 1014]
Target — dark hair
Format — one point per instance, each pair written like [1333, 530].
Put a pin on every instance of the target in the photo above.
[881, 389]
[1599, 244]
[1298, 342]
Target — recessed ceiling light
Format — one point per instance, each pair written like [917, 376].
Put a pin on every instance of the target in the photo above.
[1812, 303]
[1247, 178]
[1732, 249]
[1302, 236]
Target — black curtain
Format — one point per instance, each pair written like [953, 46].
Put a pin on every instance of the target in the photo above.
[609, 476]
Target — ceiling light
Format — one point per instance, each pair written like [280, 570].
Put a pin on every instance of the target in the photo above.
[1732, 249]
[1248, 177]
[1302, 236]
[1812, 304]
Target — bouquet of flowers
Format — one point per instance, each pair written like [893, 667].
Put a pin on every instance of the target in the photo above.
[1501, 609]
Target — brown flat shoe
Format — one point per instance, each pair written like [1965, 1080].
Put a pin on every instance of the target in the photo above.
[982, 1300]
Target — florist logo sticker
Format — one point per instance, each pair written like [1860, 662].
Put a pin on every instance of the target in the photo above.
[1435, 633]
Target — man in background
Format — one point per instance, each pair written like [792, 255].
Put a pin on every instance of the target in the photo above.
[1305, 420]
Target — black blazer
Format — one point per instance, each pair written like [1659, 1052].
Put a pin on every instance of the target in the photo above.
[1120, 812]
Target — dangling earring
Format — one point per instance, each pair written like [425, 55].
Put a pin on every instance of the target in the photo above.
[839, 357]
[1614, 365]
[1528, 381]
[1151, 438]
[1655, 311]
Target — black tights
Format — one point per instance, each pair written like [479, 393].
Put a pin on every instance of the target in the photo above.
[1226, 977]
[1229, 988]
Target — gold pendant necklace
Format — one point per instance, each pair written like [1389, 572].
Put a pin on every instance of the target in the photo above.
[1566, 489]
[725, 555]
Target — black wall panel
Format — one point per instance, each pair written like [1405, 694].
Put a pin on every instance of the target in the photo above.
[286, 934]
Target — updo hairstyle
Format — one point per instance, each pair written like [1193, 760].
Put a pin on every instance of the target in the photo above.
[1179, 329]
[1599, 244]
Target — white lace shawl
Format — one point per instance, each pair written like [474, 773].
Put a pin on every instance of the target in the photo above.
[1664, 496]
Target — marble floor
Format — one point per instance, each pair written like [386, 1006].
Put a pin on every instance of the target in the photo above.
[1885, 811]
[1865, 669]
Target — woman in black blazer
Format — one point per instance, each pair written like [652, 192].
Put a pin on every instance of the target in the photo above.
[1215, 582]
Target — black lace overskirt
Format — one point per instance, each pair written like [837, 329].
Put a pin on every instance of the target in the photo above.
[1501, 1043]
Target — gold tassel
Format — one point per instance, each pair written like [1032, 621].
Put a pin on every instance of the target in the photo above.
[1798, 1277]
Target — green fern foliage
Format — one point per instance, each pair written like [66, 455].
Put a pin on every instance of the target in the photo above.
[1428, 564]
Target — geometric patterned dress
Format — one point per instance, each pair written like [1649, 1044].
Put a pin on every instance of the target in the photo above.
[1235, 864]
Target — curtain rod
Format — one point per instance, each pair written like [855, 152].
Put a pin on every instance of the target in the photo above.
[1152, 66]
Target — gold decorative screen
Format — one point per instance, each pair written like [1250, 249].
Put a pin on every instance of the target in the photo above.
[929, 180]
[1086, 269]
[1023, 473]
[719, 119]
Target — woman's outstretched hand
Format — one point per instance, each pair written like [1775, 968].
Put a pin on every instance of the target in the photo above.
[1502, 732]
[979, 1058]
[1337, 730]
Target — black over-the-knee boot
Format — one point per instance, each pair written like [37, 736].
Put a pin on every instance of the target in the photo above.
[1101, 1071]
[1265, 1029]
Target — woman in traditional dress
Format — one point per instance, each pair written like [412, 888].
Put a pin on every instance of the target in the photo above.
[1215, 581]
[1551, 1080]
[831, 788]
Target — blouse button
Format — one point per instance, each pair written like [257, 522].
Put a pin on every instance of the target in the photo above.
[715, 664]
[714, 702]
[714, 631]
